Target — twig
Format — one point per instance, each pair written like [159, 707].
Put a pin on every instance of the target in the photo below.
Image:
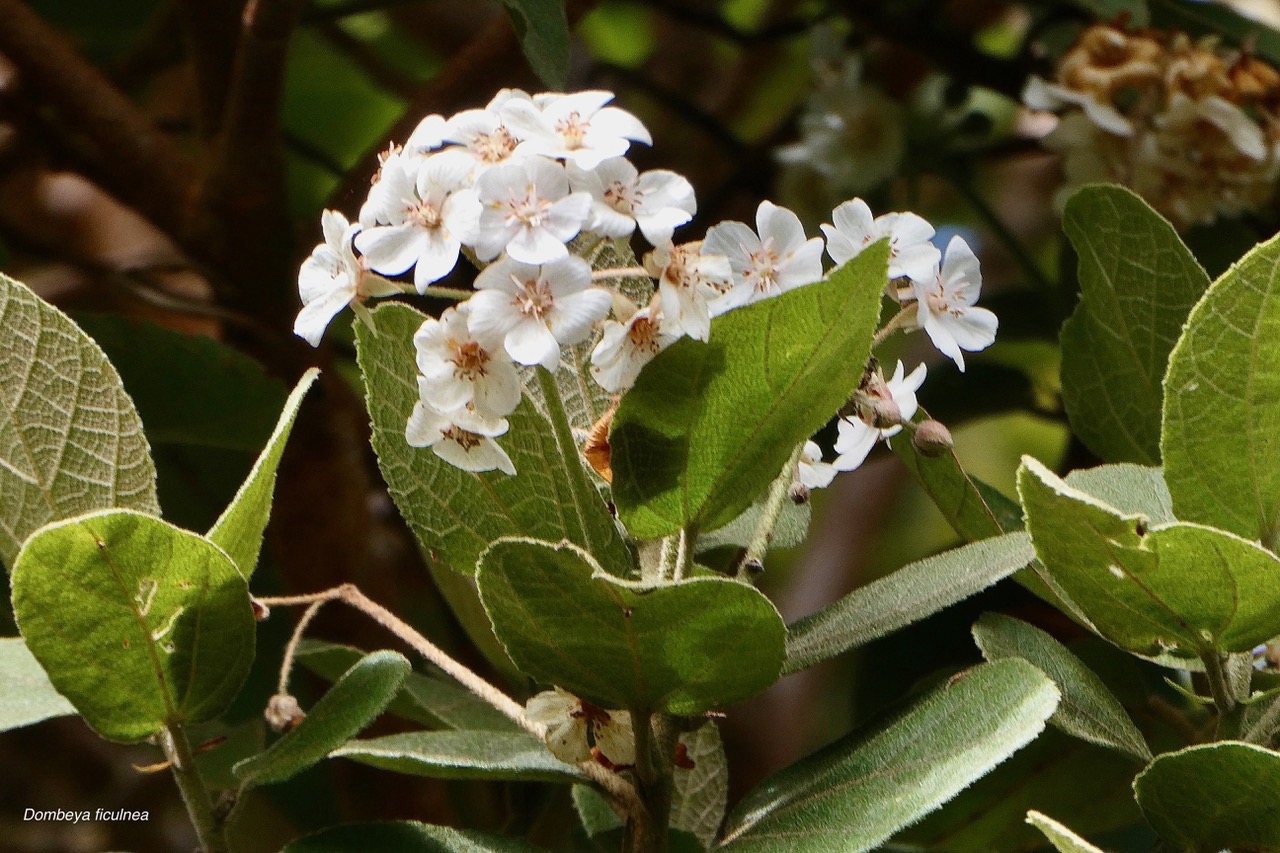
[753, 559]
[684, 553]
[210, 33]
[177, 749]
[291, 650]
[900, 320]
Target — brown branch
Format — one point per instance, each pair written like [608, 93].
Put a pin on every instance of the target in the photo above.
[146, 170]
[210, 30]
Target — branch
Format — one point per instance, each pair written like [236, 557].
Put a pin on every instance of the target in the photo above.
[210, 29]
[144, 169]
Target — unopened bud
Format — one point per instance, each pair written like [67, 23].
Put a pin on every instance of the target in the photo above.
[283, 712]
[799, 493]
[260, 611]
[932, 438]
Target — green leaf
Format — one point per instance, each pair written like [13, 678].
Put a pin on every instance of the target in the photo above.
[70, 438]
[1215, 796]
[189, 389]
[684, 648]
[790, 530]
[239, 529]
[457, 513]
[1181, 589]
[1221, 436]
[1062, 839]
[28, 696]
[1138, 282]
[543, 30]
[404, 837]
[1088, 710]
[427, 699]
[908, 595]
[138, 623]
[857, 792]
[702, 791]
[708, 426]
[354, 701]
[1128, 488]
[514, 756]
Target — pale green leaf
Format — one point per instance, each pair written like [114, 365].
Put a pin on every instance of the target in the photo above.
[70, 438]
[239, 529]
[456, 513]
[702, 791]
[685, 647]
[1128, 488]
[708, 426]
[28, 696]
[1062, 839]
[1215, 796]
[790, 530]
[138, 623]
[352, 703]
[857, 792]
[1180, 589]
[512, 756]
[431, 700]
[543, 30]
[404, 837]
[908, 595]
[1088, 709]
[1138, 282]
[1221, 437]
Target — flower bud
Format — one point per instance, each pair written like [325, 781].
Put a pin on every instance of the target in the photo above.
[283, 712]
[932, 438]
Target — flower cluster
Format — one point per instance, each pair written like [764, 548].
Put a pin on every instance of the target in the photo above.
[1191, 128]
[530, 188]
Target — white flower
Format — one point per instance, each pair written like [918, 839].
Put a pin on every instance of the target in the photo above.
[462, 438]
[577, 128]
[333, 278]
[426, 137]
[534, 310]
[528, 211]
[687, 282]
[659, 201]
[855, 437]
[627, 347]
[482, 135]
[458, 370]
[778, 260]
[911, 255]
[946, 302]
[568, 720]
[1184, 114]
[425, 212]
[1042, 95]
[811, 471]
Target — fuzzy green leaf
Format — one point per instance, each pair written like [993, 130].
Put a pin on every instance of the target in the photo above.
[404, 837]
[1181, 589]
[239, 529]
[685, 648]
[708, 426]
[456, 513]
[1088, 709]
[1221, 437]
[908, 595]
[1216, 796]
[543, 30]
[70, 438]
[1062, 839]
[857, 792]
[138, 623]
[1128, 488]
[513, 756]
[1138, 282]
[352, 703]
[28, 696]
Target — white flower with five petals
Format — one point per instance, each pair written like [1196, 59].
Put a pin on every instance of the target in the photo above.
[777, 260]
[457, 369]
[333, 278]
[528, 211]
[855, 437]
[945, 305]
[425, 213]
[911, 255]
[462, 438]
[688, 281]
[626, 348]
[577, 128]
[659, 201]
[536, 309]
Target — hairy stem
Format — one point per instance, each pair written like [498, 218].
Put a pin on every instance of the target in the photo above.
[1216, 675]
[177, 749]
[758, 546]
[684, 553]
[899, 321]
